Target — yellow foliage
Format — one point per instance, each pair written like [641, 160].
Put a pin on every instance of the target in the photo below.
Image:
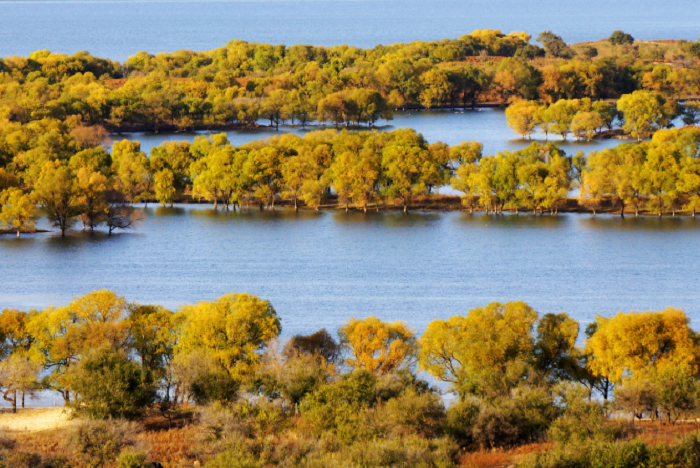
[486, 339]
[232, 329]
[642, 341]
[376, 346]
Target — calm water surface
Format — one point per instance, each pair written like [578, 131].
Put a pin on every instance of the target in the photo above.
[452, 127]
[319, 269]
[119, 28]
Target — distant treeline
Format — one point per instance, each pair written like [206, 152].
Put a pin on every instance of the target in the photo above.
[49, 166]
[243, 82]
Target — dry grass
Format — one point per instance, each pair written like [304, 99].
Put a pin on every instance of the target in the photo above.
[501, 457]
[35, 419]
[174, 447]
[656, 433]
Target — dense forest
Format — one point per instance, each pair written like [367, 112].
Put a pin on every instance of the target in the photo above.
[243, 82]
[232, 394]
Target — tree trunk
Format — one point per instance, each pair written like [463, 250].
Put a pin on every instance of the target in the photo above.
[296, 204]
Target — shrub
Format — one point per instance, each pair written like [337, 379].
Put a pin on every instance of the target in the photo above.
[100, 442]
[108, 384]
[582, 420]
[414, 413]
[320, 343]
[394, 384]
[619, 38]
[293, 376]
[129, 458]
[526, 416]
[341, 407]
[214, 385]
[460, 421]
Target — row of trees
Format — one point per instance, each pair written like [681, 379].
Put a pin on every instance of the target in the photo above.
[244, 82]
[108, 357]
[638, 114]
[362, 169]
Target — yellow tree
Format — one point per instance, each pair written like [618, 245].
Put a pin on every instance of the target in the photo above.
[642, 110]
[17, 210]
[407, 164]
[485, 341]
[436, 88]
[233, 330]
[132, 169]
[638, 342]
[586, 124]
[467, 156]
[56, 191]
[62, 335]
[376, 346]
[92, 195]
[560, 115]
[165, 186]
[522, 117]
[19, 368]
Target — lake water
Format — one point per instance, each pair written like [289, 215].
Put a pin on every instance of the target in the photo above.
[119, 28]
[487, 126]
[319, 269]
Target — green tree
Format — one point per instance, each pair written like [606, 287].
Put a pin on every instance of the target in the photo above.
[108, 384]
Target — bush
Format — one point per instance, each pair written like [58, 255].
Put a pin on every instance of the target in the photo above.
[101, 442]
[214, 385]
[108, 384]
[320, 343]
[131, 459]
[414, 413]
[460, 421]
[396, 383]
[294, 376]
[525, 417]
[341, 407]
[619, 38]
[583, 420]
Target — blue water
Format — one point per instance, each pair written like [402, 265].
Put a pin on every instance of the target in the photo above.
[487, 126]
[319, 269]
[119, 28]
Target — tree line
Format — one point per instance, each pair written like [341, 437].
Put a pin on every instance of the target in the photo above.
[517, 375]
[244, 82]
[359, 169]
[638, 114]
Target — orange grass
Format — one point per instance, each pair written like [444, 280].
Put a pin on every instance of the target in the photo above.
[501, 457]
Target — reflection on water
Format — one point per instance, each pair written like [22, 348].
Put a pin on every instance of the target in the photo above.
[319, 268]
[512, 220]
[390, 219]
[487, 126]
[641, 223]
